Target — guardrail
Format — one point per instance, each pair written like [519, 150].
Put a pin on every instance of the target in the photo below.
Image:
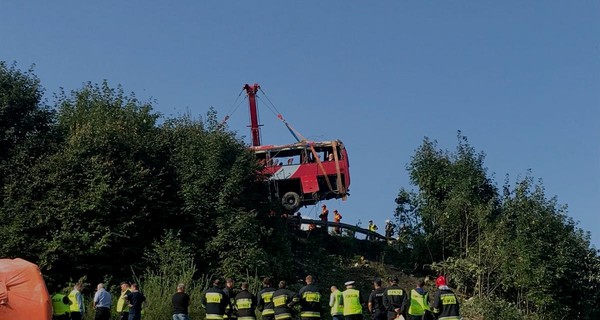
[342, 226]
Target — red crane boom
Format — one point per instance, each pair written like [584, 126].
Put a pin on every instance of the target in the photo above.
[251, 90]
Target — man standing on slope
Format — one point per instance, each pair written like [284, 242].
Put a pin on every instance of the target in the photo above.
[77, 307]
[245, 304]
[336, 304]
[122, 308]
[418, 305]
[310, 301]
[265, 300]
[230, 293]
[283, 302]
[376, 308]
[352, 301]
[394, 299]
[215, 301]
[445, 303]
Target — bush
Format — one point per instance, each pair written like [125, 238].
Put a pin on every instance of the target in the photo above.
[490, 309]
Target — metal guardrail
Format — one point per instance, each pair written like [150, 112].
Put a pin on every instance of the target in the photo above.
[342, 226]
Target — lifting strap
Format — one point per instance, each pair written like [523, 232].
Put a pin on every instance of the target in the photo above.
[316, 157]
[340, 185]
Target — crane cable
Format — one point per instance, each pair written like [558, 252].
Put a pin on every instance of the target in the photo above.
[233, 108]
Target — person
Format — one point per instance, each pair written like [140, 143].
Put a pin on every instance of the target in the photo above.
[122, 308]
[265, 300]
[230, 293]
[331, 157]
[375, 303]
[310, 300]
[337, 217]
[60, 307]
[336, 304]
[324, 213]
[389, 229]
[102, 303]
[283, 302]
[77, 306]
[445, 303]
[214, 301]
[418, 305]
[290, 161]
[373, 228]
[245, 303]
[181, 303]
[352, 301]
[394, 299]
[135, 300]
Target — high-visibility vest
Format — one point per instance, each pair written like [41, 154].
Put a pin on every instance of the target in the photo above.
[338, 307]
[351, 302]
[74, 302]
[58, 305]
[418, 303]
[121, 305]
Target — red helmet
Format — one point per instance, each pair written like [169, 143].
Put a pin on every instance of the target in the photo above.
[440, 281]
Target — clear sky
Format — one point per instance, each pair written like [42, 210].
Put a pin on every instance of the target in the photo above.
[521, 79]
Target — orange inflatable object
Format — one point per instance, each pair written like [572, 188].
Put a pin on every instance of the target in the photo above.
[23, 292]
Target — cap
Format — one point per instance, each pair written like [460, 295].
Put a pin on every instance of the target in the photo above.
[349, 283]
[370, 220]
[387, 221]
[335, 210]
[440, 281]
[323, 206]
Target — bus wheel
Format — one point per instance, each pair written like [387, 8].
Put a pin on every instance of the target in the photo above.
[291, 201]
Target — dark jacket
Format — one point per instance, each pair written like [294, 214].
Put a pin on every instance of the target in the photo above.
[310, 302]
[283, 301]
[215, 301]
[445, 304]
[265, 301]
[245, 304]
[230, 307]
[394, 297]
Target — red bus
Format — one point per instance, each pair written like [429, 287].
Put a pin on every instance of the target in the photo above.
[304, 173]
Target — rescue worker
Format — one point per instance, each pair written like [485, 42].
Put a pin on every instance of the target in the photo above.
[245, 304]
[336, 304]
[375, 304]
[265, 300]
[337, 217]
[324, 213]
[214, 301]
[310, 300]
[389, 229]
[373, 228]
[445, 303]
[60, 307]
[283, 302]
[77, 306]
[230, 293]
[122, 306]
[394, 299]
[418, 305]
[352, 301]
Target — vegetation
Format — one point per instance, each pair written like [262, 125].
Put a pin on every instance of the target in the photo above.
[99, 186]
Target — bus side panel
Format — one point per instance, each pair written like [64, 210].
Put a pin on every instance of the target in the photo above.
[309, 184]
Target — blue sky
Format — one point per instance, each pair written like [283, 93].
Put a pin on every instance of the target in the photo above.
[521, 79]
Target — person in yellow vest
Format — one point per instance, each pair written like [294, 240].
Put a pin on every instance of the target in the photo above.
[60, 307]
[122, 305]
[336, 304]
[419, 306]
[77, 306]
[352, 302]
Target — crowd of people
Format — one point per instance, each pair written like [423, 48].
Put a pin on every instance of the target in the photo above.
[276, 303]
[71, 306]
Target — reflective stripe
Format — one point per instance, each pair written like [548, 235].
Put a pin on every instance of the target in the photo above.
[214, 316]
[449, 318]
[267, 312]
[310, 314]
[283, 316]
[246, 318]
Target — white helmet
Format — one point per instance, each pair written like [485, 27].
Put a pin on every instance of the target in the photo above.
[387, 221]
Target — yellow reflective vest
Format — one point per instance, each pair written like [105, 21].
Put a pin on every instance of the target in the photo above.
[58, 305]
[336, 304]
[351, 301]
[418, 303]
[121, 305]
